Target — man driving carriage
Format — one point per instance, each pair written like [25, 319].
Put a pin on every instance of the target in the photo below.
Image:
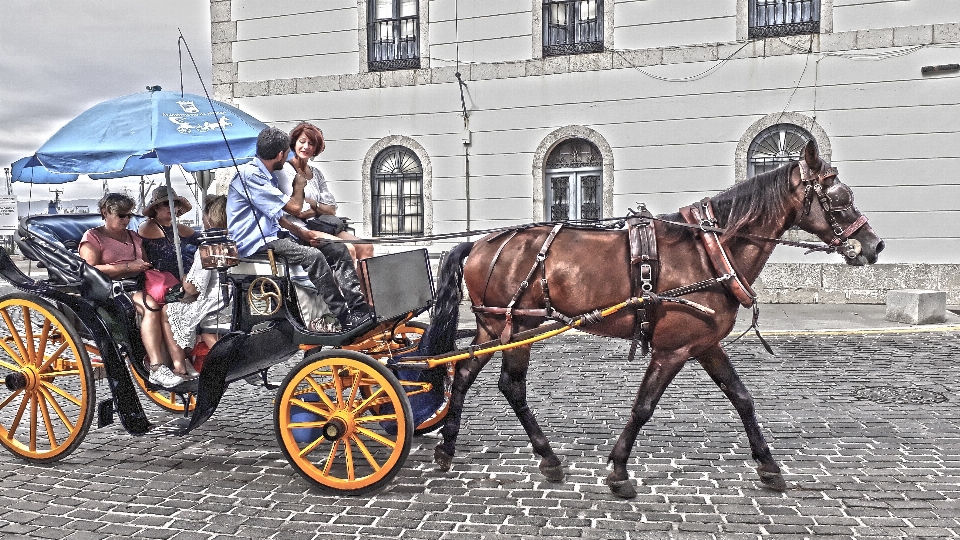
[255, 217]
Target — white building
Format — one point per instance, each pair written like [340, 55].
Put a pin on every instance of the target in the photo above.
[587, 107]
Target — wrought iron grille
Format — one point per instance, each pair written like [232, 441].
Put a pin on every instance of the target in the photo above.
[590, 197]
[393, 35]
[397, 193]
[774, 147]
[773, 18]
[574, 153]
[560, 209]
[572, 27]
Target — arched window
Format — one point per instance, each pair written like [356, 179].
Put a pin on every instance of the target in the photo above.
[774, 147]
[397, 193]
[574, 182]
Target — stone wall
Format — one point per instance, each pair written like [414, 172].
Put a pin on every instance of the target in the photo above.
[799, 283]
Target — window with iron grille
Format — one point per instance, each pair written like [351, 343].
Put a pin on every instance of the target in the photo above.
[774, 147]
[397, 193]
[393, 35]
[572, 27]
[774, 18]
[574, 182]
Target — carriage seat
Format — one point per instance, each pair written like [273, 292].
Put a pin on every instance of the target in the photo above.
[309, 302]
[52, 241]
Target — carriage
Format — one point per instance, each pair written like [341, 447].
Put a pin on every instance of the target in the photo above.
[342, 417]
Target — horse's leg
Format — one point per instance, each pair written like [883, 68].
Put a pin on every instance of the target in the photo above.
[466, 372]
[513, 385]
[663, 367]
[717, 364]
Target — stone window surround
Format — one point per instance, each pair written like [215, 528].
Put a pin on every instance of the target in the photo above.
[367, 186]
[800, 120]
[537, 12]
[826, 18]
[548, 144]
[423, 11]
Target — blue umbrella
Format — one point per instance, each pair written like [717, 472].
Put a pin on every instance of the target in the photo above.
[160, 128]
[38, 174]
[148, 133]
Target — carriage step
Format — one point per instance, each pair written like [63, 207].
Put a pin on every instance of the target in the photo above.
[104, 413]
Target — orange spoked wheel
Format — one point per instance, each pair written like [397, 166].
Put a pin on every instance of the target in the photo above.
[343, 421]
[47, 398]
[165, 399]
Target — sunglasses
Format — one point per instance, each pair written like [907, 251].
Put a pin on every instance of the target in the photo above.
[124, 216]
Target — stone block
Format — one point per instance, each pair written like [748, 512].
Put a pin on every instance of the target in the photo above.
[875, 38]
[946, 33]
[637, 58]
[591, 62]
[223, 32]
[839, 41]
[683, 55]
[220, 11]
[916, 306]
[249, 89]
[324, 83]
[279, 87]
[555, 65]
[912, 35]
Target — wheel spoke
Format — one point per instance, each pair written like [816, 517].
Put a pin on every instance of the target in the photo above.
[19, 416]
[348, 455]
[312, 446]
[377, 437]
[49, 425]
[312, 407]
[44, 334]
[367, 403]
[330, 455]
[377, 418]
[28, 334]
[35, 399]
[16, 356]
[353, 390]
[62, 392]
[338, 385]
[53, 356]
[10, 398]
[56, 406]
[366, 453]
[317, 387]
[9, 366]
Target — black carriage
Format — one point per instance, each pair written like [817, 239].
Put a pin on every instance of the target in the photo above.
[343, 415]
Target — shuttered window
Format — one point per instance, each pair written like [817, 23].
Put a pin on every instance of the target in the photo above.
[572, 27]
[773, 18]
[393, 35]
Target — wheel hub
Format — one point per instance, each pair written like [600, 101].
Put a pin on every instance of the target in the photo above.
[334, 429]
[16, 381]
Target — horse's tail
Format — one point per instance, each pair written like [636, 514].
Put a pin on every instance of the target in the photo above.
[441, 336]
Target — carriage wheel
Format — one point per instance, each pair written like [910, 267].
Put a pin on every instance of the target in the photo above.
[165, 399]
[47, 400]
[341, 419]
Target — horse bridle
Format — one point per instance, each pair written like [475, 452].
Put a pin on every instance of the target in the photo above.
[834, 199]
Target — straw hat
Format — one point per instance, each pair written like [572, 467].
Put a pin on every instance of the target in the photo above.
[159, 197]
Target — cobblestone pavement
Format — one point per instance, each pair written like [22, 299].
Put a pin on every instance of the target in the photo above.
[866, 428]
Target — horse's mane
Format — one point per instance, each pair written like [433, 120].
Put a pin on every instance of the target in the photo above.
[756, 200]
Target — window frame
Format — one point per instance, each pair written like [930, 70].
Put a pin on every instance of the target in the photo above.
[376, 177]
[574, 46]
[369, 25]
[743, 20]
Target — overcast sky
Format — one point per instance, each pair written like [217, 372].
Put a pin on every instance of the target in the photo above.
[60, 57]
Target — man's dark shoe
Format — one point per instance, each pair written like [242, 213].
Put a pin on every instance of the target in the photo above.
[356, 319]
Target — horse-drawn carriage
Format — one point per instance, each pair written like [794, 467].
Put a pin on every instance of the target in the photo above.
[341, 417]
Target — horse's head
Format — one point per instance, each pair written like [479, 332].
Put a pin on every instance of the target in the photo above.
[828, 211]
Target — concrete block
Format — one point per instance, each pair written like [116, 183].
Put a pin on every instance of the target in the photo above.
[916, 306]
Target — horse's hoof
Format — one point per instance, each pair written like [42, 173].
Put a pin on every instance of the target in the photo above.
[772, 480]
[621, 488]
[554, 473]
[442, 459]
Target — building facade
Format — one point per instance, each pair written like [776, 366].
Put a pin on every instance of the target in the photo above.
[450, 115]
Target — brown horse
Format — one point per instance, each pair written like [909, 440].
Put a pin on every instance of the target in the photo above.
[589, 269]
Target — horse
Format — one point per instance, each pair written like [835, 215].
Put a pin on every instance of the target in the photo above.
[587, 269]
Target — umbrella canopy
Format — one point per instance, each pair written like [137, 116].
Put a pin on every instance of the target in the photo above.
[38, 174]
[145, 132]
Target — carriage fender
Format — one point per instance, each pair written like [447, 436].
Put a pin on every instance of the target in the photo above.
[212, 382]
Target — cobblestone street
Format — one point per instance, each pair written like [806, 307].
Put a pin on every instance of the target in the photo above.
[865, 427]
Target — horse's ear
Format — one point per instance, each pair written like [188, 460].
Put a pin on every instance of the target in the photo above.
[811, 155]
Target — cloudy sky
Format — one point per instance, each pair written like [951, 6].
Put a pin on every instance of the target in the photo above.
[60, 57]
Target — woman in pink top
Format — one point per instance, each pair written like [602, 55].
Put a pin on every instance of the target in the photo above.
[117, 251]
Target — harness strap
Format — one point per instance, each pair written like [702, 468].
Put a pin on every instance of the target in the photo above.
[718, 256]
[540, 261]
[496, 256]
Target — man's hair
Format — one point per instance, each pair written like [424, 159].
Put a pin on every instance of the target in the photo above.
[215, 208]
[115, 203]
[312, 133]
[271, 142]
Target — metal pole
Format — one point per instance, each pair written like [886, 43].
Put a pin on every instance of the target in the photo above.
[173, 214]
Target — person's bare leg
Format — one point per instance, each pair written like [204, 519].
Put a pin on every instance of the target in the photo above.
[151, 331]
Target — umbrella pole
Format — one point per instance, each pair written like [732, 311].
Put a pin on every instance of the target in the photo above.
[173, 214]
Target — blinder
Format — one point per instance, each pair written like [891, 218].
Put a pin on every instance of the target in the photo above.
[835, 197]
